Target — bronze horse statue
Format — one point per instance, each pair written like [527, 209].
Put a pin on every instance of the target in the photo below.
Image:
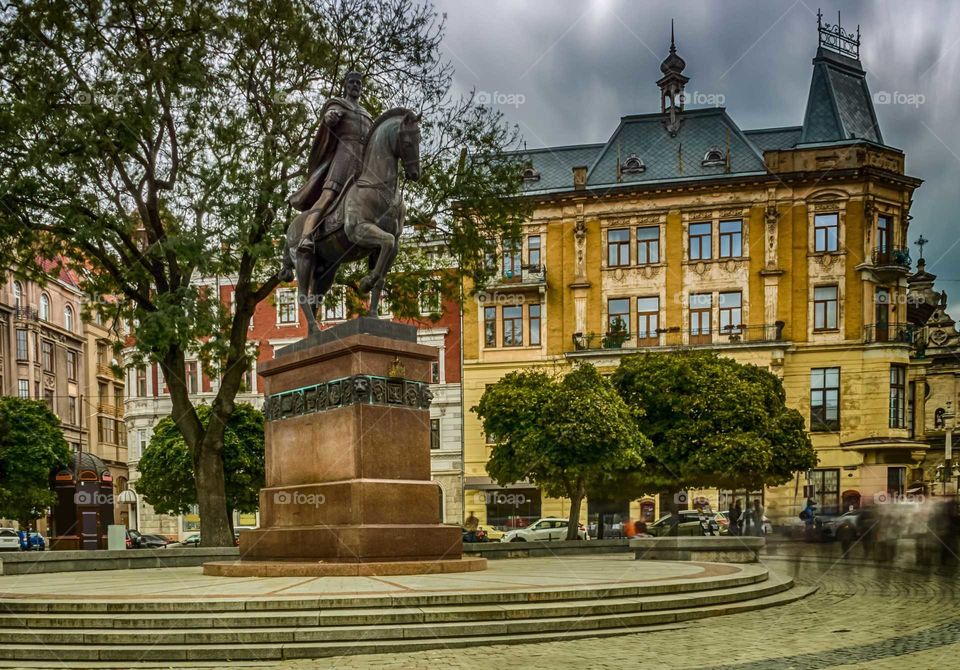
[365, 222]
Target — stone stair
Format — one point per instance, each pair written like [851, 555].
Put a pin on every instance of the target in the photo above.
[156, 633]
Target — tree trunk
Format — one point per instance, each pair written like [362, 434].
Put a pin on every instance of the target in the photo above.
[573, 521]
[211, 493]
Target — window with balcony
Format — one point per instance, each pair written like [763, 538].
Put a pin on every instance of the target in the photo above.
[884, 230]
[731, 313]
[825, 308]
[618, 247]
[898, 396]
[618, 315]
[46, 355]
[881, 314]
[533, 251]
[701, 308]
[72, 368]
[824, 399]
[701, 245]
[511, 260]
[648, 321]
[731, 239]
[533, 314]
[22, 351]
[434, 433]
[490, 326]
[286, 306]
[648, 245]
[826, 235]
[512, 326]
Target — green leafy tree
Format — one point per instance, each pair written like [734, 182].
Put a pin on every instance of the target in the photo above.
[565, 435]
[713, 422]
[166, 469]
[155, 144]
[31, 445]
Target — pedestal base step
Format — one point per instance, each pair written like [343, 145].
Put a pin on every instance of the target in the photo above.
[333, 569]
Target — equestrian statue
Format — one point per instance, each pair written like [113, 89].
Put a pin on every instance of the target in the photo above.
[350, 207]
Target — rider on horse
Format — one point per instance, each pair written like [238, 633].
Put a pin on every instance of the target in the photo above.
[336, 156]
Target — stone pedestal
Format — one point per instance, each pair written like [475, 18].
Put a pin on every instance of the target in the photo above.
[348, 460]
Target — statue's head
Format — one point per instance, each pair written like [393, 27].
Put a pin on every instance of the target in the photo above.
[352, 84]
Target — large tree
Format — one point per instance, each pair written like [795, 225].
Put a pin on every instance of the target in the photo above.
[31, 445]
[713, 422]
[166, 470]
[155, 143]
[567, 435]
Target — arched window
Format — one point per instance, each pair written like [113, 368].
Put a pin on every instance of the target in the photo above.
[17, 295]
[713, 157]
[531, 175]
[633, 164]
[68, 317]
[44, 307]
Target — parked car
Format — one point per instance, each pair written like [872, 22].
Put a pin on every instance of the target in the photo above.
[153, 542]
[479, 535]
[688, 524]
[9, 540]
[189, 541]
[493, 535]
[133, 539]
[723, 521]
[32, 541]
[550, 528]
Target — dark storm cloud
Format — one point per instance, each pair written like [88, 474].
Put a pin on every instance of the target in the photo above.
[565, 71]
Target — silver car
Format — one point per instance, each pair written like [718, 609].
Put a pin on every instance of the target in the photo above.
[9, 540]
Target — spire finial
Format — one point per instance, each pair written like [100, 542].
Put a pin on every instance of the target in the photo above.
[921, 242]
[673, 45]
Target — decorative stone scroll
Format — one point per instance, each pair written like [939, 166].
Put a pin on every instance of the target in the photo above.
[356, 390]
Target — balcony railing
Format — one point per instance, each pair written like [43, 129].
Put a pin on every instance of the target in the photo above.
[26, 314]
[891, 257]
[529, 275]
[891, 332]
[678, 337]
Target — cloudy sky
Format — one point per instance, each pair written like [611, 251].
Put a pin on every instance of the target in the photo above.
[565, 71]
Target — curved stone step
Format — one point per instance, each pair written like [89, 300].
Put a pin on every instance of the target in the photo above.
[231, 626]
[369, 639]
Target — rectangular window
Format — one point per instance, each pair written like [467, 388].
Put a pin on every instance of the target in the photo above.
[826, 487]
[881, 315]
[490, 256]
[618, 247]
[911, 403]
[731, 313]
[118, 397]
[142, 382]
[434, 433]
[48, 399]
[898, 396]
[286, 306]
[46, 355]
[511, 259]
[701, 308]
[825, 308]
[193, 377]
[731, 239]
[490, 326]
[142, 442]
[701, 246]
[648, 321]
[23, 388]
[22, 354]
[824, 399]
[337, 311]
[533, 312]
[826, 235]
[896, 480]
[430, 298]
[72, 409]
[513, 326]
[884, 228]
[108, 430]
[533, 251]
[434, 372]
[71, 365]
[648, 245]
[103, 393]
[618, 315]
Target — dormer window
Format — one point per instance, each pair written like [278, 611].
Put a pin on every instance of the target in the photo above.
[713, 157]
[633, 164]
[530, 175]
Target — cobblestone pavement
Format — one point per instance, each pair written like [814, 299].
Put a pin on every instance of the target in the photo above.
[863, 616]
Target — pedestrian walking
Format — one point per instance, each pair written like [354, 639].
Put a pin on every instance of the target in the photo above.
[757, 518]
[735, 515]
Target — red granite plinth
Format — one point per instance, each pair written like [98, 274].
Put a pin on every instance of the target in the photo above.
[348, 461]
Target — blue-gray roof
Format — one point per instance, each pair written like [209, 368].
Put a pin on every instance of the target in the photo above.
[839, 106]
[555, 165]
[774, 139]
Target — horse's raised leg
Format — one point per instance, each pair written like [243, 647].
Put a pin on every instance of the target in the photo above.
[369, 235]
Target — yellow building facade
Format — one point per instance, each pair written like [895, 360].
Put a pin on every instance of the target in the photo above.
[782, 247]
